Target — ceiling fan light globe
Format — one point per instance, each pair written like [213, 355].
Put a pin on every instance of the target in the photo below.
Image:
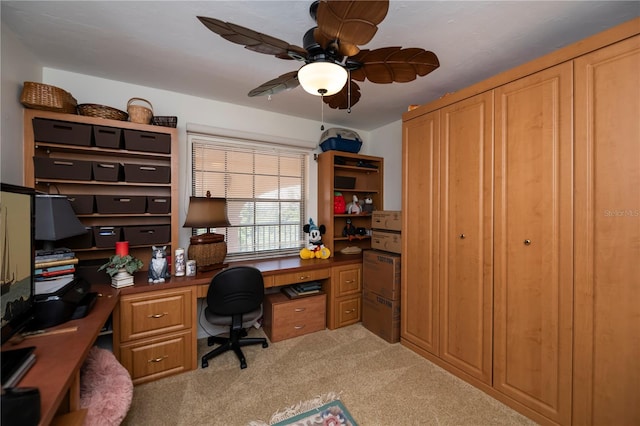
[319, 76]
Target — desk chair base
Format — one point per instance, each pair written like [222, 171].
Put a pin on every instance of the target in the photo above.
[234, 342]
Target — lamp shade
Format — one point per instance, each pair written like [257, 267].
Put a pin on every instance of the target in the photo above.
[55, 219]
[206, 212]
[318, 77]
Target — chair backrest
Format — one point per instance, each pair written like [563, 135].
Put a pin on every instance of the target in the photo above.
[235, 290]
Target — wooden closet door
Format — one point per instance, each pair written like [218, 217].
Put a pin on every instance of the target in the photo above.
[533, 273]
[607, 316]
[466, 248]
[420, 196]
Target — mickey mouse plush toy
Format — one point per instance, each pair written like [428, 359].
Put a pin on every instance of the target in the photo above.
[315, 249]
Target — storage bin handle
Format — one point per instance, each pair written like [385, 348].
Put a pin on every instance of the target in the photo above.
[63, 163]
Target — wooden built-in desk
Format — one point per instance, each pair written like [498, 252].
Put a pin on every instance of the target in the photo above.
[155, 325]
[59, 357]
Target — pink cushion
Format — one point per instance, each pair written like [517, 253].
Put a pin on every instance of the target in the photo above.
[106, 389]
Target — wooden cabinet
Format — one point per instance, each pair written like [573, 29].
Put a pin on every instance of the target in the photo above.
[419, 320]
[155, 333]
[521, 271]
[285, 318]
[466, 235]
[349, 174]
[607, 236]
[101, 170]
[344, 305]
[533, 254]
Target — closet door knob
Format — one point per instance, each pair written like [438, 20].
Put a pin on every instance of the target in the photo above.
[527, 242]
[462, 236]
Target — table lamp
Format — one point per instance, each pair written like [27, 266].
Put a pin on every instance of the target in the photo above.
[55, 220]
[208, 249]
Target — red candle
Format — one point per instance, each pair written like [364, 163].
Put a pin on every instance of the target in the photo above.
[122, 248]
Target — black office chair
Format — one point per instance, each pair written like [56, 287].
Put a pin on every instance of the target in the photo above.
[235, 299]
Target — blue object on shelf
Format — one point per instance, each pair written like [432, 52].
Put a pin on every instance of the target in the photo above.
[337, 143]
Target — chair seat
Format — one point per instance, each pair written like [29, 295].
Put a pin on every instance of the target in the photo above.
[247, 319]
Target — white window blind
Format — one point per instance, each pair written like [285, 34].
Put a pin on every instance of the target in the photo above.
[265, 192]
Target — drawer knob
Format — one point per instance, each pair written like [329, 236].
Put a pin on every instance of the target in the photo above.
[300, 309]
[349, 281]
[298, 327]
[158, 315]
[348, 311]
[159, 359]
[305, 277]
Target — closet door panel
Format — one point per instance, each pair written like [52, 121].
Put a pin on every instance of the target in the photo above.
[466, 266]
[607, 317]
[534, 242]
[420, 183]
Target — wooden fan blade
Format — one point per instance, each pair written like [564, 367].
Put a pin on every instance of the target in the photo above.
[284, 82]
[253, 40]
[394, 64]
[352, 22]
[343, 48]
[341, 99]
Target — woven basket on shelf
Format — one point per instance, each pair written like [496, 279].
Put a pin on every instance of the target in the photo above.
[164, 120]
[102, 111]
[138, 113]
[47, 98]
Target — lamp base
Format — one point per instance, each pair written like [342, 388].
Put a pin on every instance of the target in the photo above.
[208, 250]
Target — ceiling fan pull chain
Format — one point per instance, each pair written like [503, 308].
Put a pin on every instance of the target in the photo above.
[322, 110]
[349, 92]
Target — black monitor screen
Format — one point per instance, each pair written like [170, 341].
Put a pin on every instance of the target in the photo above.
[16, 257]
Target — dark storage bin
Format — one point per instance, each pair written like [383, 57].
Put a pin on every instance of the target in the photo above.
[340, 144]
[147, 174]
[62, 132]
[83, 241]
[136, 140]
[62, 168]
[107, 137]
[106, 171]
[158, 205]
[106, 236]
[344, 182]
[147, 235]
[81, 204]
[114, 204]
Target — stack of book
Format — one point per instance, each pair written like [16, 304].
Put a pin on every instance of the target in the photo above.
[302, 289]
[54, 269]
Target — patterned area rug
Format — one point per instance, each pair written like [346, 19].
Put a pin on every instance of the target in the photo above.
[326, 410]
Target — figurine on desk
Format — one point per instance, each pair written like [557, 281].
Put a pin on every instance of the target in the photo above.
[158, 268]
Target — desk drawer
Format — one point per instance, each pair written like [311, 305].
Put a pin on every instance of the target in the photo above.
[301, 277]
[151, 314]
[348, 310]
[285, 318]
[152, 359]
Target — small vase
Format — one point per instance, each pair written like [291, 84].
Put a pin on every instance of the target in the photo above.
[122, 279]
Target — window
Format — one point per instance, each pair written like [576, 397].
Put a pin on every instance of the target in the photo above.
[265, 191]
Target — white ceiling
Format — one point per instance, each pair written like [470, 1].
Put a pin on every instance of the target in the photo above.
[161, 44]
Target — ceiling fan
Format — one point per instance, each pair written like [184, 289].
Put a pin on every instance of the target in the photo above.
[331, 48]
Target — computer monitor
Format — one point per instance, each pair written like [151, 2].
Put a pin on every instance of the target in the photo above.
[17, 205]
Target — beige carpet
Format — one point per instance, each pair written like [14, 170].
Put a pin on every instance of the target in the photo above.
[378, 382]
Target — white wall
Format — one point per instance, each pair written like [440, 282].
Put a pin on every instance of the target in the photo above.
[386, 142]
[18, 66]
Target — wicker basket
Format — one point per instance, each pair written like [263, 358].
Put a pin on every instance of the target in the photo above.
[48, 98]
[102, 111]
[164, 120]
[138, 113]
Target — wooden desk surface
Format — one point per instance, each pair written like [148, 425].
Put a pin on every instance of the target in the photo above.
[268, 267]
[60, 356]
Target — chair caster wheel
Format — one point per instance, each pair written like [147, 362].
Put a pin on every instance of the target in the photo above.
[265, 345]
[243, 365]
[205, 364]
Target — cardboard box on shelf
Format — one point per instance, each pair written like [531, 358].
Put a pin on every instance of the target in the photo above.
[389, 220]
[381, 273]
[387, 241]
[381, 316]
